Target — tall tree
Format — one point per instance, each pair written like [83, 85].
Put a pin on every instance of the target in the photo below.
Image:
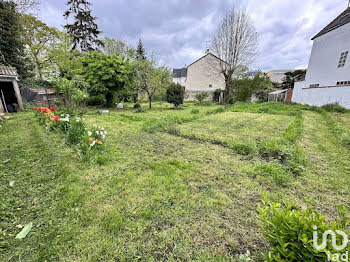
[83, 30]
[38, 38]
[140, 51]
[11, 46]
[292, 77]
[235, 43]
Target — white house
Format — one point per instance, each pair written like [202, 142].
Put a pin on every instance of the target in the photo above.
[328, 76]
[203, 75]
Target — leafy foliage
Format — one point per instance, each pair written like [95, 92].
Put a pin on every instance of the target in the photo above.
[175, 94]
[38, 38]
[84, 30]
[113, 46]
[105, 74]
[149, 79]
[216, 96]
[243, 89]
[201, 96]
[11, 45]
[290, 231]
[292, 77]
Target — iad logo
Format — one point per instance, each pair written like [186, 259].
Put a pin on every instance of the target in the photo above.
[336, 256]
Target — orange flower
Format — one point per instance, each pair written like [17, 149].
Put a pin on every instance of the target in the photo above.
[98, 142]
[91, 139]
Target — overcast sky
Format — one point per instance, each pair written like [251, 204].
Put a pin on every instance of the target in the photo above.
[175, 30]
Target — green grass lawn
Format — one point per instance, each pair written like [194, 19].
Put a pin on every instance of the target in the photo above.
[169, 185]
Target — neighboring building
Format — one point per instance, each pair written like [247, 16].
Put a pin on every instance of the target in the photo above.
[277, 76]
[203, 75]
[10, 96]
[328, 76]
[252, 74]
[179, 76]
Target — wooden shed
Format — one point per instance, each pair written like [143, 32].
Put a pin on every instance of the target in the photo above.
[10, 96]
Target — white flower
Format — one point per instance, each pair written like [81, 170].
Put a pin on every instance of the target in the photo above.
[103, 136]
[102, 128]
[83, 119]
[94, 125]
[77, 119]
[105, 132]
[89, 133]
[93, 143]
[97, 133]
[101, 133]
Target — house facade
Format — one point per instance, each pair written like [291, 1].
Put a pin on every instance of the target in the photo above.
[203, 75]
[328, 76]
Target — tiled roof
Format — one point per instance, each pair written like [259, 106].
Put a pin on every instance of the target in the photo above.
[341, 20]
[180, 72]
[8, 71]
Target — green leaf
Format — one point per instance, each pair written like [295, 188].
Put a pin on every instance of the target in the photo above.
[24, 232]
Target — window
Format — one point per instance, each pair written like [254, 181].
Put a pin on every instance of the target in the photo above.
[343, 83]
[342, 59]
[315, 85]
[210, 86]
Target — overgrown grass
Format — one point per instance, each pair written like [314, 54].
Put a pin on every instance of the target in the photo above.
[156, 196]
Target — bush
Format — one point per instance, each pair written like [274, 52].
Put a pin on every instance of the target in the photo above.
[195, 111]
[290, 230]
[216, 96]
[334, 107]
[96, 100]
[175, 94]
[137, 106]
[201, 96]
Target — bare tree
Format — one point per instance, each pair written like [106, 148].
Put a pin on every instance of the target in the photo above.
[235, 43]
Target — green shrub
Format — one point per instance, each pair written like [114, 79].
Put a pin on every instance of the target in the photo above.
[201, 96]
[175, 94]
[216, 96]
[194, 111]
[96, 100]
[334, 107]
[245, 148]
[289, 231]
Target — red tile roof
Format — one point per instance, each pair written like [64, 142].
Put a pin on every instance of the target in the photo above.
[341, 20]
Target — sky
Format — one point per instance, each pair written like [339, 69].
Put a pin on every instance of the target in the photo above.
[176, 31]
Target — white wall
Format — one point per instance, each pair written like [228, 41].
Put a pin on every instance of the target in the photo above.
[323, 70]
[179, 80]
[203, 73]
[323, 65]
[321, 96]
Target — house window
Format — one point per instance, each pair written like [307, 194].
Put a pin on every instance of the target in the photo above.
[210, 86]
[342, 59]
[315, 85]
[343, 83]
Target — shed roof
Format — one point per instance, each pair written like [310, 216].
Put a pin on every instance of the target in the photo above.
[341, 20]
[8, 71]
[278, 92]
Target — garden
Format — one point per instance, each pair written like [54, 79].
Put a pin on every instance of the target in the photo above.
[202, 182]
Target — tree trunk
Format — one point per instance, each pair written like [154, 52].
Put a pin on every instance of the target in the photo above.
[150, 101]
